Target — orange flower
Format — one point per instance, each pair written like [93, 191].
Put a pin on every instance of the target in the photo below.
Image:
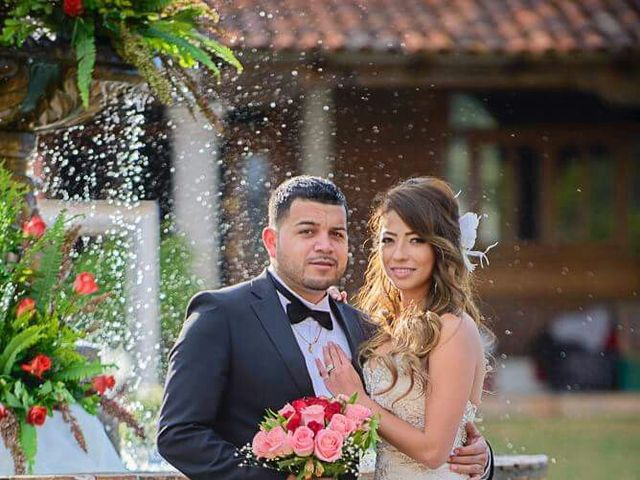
[25, 305]
[102, 383]
[85, 284]
[37, 366]
[37, 415]
[34, 227]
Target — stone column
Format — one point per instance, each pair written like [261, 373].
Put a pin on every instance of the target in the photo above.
[196, 187]
[318, 132]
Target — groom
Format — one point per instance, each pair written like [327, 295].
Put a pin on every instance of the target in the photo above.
[252, 346]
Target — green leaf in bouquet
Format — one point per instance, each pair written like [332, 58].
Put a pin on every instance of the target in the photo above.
[29, 443]
[90, 404]
[20, 342]
[50, 263]
[11, 400]
[81, 371]
[45, 389]
[62, 394]
[353, 398]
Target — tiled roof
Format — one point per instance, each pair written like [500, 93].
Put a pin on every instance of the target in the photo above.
[434, 26]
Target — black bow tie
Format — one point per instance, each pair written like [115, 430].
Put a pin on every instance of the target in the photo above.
[298, 311]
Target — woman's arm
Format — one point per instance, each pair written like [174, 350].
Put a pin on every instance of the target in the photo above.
[452, 366]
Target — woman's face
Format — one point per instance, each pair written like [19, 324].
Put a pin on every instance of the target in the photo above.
[408, 260]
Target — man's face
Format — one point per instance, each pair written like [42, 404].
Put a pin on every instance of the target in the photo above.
[309, 248]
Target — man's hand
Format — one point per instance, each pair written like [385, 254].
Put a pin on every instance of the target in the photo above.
[472, 458]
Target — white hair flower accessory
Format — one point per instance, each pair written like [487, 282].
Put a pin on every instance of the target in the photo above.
[468, 233]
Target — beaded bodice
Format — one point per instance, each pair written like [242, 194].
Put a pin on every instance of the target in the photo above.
[392, 464]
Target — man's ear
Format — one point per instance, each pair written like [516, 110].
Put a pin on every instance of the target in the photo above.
[270, 240]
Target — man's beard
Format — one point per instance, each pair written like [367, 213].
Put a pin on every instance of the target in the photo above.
[298, 276]
[319, 284]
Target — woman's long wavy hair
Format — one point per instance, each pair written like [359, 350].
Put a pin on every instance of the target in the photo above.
[428, 206]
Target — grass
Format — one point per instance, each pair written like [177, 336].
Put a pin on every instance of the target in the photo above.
[578, 448]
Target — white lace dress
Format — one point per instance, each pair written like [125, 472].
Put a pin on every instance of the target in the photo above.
[391, 464]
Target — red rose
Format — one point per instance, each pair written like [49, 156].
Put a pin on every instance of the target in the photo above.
[315, 427]
[317, 401]
[37, 366]
[299, 404]
[294, 421]
[34, 227]
[73, 8]
[3, 412]
[37, 415]
[102, 383]
[25, 305]
[331, 409]
[85, 284]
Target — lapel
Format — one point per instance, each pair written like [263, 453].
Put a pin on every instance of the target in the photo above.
[352, 328]
[269, 311]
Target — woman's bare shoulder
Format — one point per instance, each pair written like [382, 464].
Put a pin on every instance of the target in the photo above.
[463, 325]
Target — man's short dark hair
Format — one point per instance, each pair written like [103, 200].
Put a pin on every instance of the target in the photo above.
[303, 187]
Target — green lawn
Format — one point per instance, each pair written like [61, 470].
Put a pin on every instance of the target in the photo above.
[586, 449]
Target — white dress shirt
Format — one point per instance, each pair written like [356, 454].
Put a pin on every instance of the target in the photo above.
[307, 331]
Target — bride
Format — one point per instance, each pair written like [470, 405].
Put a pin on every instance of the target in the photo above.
[425, 364]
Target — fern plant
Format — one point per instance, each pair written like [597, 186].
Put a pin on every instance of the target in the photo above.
[166, 40]
[41, 293]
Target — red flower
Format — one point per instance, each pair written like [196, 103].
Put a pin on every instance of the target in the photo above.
[73, 8]
[34, 227]
[294, 421]
[3, 412]
[315, 426]
[37, 415]
[102, 383]
[25, 305]
[331, 409]
[37, 366]
[299, 404]
[317, 401]
[85, 284]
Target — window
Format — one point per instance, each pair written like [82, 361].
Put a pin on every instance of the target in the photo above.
[553, 182]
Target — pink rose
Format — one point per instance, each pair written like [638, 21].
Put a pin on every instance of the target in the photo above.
[271, 444]
[358, 413]
[287, 411]
[313, 413]
[328, 445]
[341, 424]
[302, 441]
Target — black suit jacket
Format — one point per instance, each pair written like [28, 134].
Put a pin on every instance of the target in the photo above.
[235, 357]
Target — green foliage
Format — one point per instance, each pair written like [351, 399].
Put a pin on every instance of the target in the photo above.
[50, 262]
[19, 343]
[166, 35]
[39, 364]
[29, 442]
[81, 370]
[178, 284]
[84, 43]
[10, 215]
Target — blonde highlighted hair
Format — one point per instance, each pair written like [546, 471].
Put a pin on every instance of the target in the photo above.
[427, 205]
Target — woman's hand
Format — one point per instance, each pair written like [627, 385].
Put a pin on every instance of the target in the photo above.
[336, 294]
[338, 373]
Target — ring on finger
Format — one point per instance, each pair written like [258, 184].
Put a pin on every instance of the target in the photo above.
[330, 368]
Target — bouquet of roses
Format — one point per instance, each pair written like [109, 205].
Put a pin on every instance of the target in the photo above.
[314, 437]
